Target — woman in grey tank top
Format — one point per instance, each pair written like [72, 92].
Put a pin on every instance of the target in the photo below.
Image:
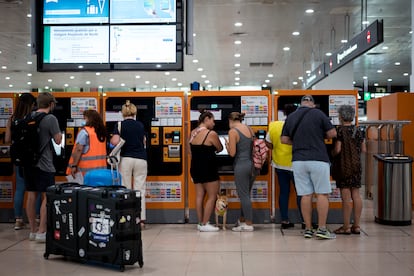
[239, 146]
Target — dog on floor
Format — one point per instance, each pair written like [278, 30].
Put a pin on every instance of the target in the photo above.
[221, 209]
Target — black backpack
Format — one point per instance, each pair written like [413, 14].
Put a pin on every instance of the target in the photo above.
[25, 149]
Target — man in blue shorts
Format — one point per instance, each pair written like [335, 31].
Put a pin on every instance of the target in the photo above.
[305, 129]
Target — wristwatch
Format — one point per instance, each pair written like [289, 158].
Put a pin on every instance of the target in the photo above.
[73, 166]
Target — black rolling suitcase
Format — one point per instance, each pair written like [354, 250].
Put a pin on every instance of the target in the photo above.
[97, 224]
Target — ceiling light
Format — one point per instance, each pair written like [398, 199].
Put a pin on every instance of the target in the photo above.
[7, 78]
[286, 48]
[194, 34]
[80, 66]
[179, 84]
[267, 81]
[174, 79]
[111, 80]
[376, 84]
[29, 15]
[29, 45]
[385, 48]
[158, 66]
[147, 82]
[309, 11]
[49, 80]
[29, 74]
[167, 73]
[354, 82]
[100, 86]
[296, 33]
[237, 42]
[379, 71]
[66, 85]
[46, 87]
[308, 71]
[137, 76]
[209, 86]
[88, 82]
[195, 60]
[237, 65]
[344, 41]
[29, 83]
[203, 76]
[328, 54]
[405, 74]
[200, 69]
[365, 77]
[270, 75]
[206, 81]
[238, 24]
[264, 85]
[236, 78]
[4, 67]
[29, 62]
[397, 63]
[122, 84]
[295, 83]
[98, 73]
[300, 78]
[72, 77]
[237, 72]
[237, 83]
[154, 86]
[237, 55]
[365, 22]
[389, 80]
[10, 85]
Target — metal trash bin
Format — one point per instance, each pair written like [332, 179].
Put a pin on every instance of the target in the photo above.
[392, 192]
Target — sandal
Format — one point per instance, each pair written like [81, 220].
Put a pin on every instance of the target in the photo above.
[343, 231]
[355, 229]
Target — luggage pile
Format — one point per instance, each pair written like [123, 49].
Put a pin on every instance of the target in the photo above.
[94, 224]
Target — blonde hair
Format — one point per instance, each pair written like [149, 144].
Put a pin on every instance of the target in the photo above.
[129, 109]
[236, 116]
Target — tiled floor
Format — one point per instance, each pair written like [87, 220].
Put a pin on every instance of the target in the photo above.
[174, 249]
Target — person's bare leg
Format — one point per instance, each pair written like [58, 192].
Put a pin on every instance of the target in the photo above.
[43, 214]
[306, 206]
[212, 189]
[346, 206]
[322, 206]
[357, 202]
[31, 210]
[199, 201]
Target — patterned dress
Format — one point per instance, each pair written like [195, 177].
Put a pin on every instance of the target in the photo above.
[346, 166]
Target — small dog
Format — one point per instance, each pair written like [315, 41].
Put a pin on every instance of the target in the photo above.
[221, 209]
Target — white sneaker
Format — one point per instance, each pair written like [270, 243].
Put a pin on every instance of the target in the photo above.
[40, 237]
[243, 228]
[32, 236]
[198, 226]
[208, 228]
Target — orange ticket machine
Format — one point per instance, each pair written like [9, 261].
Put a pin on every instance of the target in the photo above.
[69, 112]
[7, 174]
[162, 116]
[328, 101]
[257, 106]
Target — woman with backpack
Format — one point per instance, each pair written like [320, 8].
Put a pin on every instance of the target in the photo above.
[240, 146]
[25, 105]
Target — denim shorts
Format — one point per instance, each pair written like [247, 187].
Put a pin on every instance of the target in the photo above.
[312, 177]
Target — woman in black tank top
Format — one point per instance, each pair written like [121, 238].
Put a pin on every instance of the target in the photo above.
[204, 143]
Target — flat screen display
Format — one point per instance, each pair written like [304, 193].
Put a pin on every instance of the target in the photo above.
[75, 11]
[143, 43]
[143, 11]
[76, 44]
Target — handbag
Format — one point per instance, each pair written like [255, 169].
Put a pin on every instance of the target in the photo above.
[115, 155]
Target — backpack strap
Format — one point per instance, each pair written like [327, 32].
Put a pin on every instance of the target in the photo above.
[38, 117]
[298, 122]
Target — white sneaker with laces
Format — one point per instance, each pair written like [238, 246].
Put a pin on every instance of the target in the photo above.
[32, 236]
[243, 228]
[208, 228]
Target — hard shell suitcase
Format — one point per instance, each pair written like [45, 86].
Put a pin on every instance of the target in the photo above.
[94, 224]
[102, 177]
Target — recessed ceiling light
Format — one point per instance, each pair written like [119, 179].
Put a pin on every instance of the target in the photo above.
[237, 42]
[405, 74]
[111, 79]
[195, 60]
[300, 78]
[365, 77]
[236, 78]
[379, 71]
[238, 24]
[344, 41]
[309, 11]
[98, 73]
[270, 75]
[29, 83]
[174, 79]
[49, 80]
[354, 82]
[286, 48]
[237, 83]
[154, 86]
[29, 74]
[200, 69]
[389, 80]
[194, 34]
[88, 82]
[137, 76]
[237, 55]
[328, 54]
[237, 65]
[72, 77]
[7, 78]
[365, 22]
[179, 84]
[206, 81]
[237, 72]
[308, 71]
[29, 45]
[46, 87]
[80, 66]
[267, 81]
[167, 73]
[397, 63]
[264, 85]
[158, 65]
[100, 86]
[10, 85]
[376, 84]
[296, 33]
[203, 76]
[66, 85]
[122, 84]
[29, 15]
[29, 62]
[209, 86]
[295, 83]
[4, 67]
[146, 82]
[385, 48]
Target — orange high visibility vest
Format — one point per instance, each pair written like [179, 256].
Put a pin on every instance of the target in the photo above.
[94, 158]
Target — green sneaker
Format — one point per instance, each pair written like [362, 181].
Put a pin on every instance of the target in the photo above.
[325, 234]
[308, 234]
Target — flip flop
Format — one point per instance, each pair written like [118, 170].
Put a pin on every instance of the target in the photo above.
[355, 229]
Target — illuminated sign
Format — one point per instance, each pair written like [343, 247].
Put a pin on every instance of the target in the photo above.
[315, 76]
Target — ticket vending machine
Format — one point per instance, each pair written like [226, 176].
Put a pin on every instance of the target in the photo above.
[69, 112]
[7, 174]
[162, 116]
[257, 106]
[328, 101]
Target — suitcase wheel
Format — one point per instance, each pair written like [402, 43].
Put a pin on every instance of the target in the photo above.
[141, 263]
[122, 268]
[46, 255]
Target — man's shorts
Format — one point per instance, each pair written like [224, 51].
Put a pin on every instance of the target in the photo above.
[311, 177]
[37, 180]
